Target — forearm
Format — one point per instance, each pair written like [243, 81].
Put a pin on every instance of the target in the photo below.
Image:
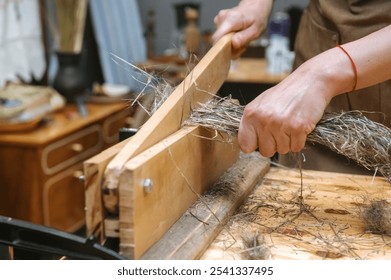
[372, 56]
[333, 69]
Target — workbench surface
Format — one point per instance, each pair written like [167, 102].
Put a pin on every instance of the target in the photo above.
[330, 226]
[252, 70]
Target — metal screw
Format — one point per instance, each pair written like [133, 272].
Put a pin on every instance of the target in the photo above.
[82, 178]
[147, 185]
[79, 175]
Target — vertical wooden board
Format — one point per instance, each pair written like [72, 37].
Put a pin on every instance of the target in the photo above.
[191, 235]
[200, 85]
[181, 167]
[93, 174]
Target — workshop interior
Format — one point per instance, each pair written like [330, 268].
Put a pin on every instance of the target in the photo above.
[88, 171]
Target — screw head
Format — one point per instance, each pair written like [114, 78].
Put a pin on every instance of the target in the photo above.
[148, 185]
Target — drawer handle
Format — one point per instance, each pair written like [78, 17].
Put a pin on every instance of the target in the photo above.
[77, 147]
[79, 175]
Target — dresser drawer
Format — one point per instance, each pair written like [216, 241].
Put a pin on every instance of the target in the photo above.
[63, 200]
[72, 149]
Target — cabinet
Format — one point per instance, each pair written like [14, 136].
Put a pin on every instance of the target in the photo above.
[40, 169]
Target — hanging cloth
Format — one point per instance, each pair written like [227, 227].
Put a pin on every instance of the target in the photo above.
[22, 55]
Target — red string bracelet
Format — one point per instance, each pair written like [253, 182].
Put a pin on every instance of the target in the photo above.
[353, 66]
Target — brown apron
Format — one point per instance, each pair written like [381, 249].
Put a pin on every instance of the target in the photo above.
[325, 24]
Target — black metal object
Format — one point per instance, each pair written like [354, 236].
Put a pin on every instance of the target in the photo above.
[41, 239]
[125, 133]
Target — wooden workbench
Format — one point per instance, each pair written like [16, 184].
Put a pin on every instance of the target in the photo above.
[243, 70]
[252, 70]
[328, 224]
[331, 228]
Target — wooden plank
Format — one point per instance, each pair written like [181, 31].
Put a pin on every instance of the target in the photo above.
[96, 221]
[338, 232]
[93, 174]
[181, 167]
[191, 235]
[111, 227]
[201, 83]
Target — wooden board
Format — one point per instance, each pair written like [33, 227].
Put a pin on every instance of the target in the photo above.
[181, 167]
[190, 236]
[97, 222]
[93, 174]
[332, 228]
[200, 85]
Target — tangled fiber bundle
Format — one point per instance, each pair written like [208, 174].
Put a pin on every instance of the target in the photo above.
[377, 217]
[353, 135]
[221, 114]
[347, 133]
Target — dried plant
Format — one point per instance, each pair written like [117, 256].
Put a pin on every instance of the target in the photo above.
[154, 89]
[350, 134]
[221, 114]
[255, 247]
[347, 133]
[355, 136]
[377, 217]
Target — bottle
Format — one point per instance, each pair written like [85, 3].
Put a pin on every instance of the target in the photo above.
[279, 58]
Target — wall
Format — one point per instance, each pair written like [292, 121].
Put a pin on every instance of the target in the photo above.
[166, 18]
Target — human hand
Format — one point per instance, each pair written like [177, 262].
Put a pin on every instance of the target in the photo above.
[280, 118]
[248, 20]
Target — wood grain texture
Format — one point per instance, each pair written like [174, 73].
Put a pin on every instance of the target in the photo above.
[200, 85]
[93, 173]
[67, 120]
[38, 167]
[181, 167]
[332, 228]
[20, 195]
[191, 235]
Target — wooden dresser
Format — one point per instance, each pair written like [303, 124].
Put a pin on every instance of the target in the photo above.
[40, 170]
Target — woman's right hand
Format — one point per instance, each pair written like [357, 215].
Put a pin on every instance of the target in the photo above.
[248, 20]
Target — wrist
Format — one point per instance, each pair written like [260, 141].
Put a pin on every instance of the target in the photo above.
[334, 71]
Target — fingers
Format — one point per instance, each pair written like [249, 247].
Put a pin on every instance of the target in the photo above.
[242, 38]
[299, 137]
[233, 21]
[269, 135]
[252, 136]
[247, 137]
[223, 26]
[268, 143]
[283, 142]
[236, 53]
